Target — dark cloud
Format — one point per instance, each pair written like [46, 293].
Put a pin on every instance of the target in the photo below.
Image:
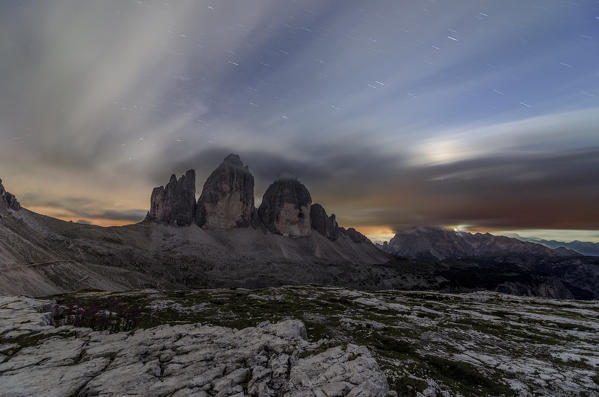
[552, 190]
[368, 187]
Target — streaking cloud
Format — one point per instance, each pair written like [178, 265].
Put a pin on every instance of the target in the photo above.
[393, 113]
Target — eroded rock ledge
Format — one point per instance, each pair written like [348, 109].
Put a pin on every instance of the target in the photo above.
[38, 358]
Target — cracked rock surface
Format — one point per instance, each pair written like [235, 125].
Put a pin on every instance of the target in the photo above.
[38, 358]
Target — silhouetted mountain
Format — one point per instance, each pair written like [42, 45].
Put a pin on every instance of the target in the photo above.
[324, 224]
[441, 243]
[175, 202]
[8, 200]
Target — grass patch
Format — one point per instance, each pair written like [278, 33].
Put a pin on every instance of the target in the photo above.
[508, 332]
[465, 377]
[395, 338]
[406, 385]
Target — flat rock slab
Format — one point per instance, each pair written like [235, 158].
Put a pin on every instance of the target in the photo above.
[39, 359]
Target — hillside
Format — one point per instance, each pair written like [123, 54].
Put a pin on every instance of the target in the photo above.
[41, 255]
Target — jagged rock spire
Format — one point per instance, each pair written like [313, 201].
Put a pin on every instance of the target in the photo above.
[227, 198]
[8, 200]
[322, 223]
[175, 202]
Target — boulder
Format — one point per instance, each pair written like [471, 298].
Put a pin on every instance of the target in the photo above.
[8, 200]
[322, 223]
[174, 203]
[227, 199]
[285, 208]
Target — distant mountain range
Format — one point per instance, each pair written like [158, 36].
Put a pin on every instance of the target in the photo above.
[442, 243]
[582, 247]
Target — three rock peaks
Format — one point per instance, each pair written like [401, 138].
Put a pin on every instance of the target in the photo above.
[227, 201]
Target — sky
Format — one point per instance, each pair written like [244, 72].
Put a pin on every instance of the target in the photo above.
[477, 114]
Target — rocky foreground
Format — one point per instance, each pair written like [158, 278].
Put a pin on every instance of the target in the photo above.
[297, 341]
[174, 360]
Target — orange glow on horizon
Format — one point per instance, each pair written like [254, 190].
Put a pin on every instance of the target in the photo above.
[64, 216]
[376, 233]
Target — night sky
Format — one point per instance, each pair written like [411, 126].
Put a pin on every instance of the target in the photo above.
[482, 115]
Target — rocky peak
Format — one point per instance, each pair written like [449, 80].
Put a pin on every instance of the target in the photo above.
[355, 235]
[441, 243]
[175, 202]
[8, 200]
[234, 160]
[322, 223]
[227, 198]
[285, 208]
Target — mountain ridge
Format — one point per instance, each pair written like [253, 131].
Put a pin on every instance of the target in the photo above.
[582, 247]
[427, 242]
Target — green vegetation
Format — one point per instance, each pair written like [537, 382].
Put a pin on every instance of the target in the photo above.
[465, 377]
[424, 336]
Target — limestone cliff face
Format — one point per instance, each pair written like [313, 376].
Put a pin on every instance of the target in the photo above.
[322, 223]
[174, 203]
[8, 200]
[285, 208]
[227, 199]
